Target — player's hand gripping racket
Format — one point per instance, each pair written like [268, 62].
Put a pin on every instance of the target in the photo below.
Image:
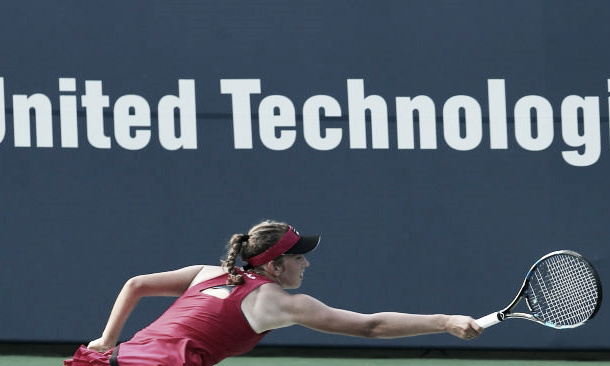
[561, 290]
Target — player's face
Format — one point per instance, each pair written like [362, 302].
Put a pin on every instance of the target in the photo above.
[293, 268]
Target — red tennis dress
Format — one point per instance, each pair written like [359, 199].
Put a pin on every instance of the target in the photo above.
[196, 330]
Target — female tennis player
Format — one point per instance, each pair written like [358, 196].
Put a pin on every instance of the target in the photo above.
[226, 310]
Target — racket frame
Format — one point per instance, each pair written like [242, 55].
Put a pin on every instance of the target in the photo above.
[499, 316]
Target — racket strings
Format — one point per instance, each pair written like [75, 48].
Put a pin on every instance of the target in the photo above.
[563, 291]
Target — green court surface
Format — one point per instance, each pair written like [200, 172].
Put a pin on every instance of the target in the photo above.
[21, 360]
[23, 354]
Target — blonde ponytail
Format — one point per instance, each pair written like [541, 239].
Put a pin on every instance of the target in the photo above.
[235, 245]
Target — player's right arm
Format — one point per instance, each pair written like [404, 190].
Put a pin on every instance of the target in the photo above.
[280, 309]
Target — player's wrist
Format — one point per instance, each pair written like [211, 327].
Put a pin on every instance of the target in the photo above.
[444, 323]
[108, 341]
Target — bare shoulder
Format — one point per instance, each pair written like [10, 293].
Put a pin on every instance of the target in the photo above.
[267, 294]
[207, 272]
[271, 307]
[284, 301]
[261, 307]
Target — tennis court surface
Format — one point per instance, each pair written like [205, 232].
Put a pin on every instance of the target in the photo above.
[263, 356]
[313, 361]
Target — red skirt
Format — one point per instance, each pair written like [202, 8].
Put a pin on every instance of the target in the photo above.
[147, 352]
[89, 357]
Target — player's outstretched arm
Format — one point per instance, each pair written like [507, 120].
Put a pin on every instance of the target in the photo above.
[314, 314]
[286, 309]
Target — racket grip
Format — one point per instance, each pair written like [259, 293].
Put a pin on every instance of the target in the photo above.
[488, 320]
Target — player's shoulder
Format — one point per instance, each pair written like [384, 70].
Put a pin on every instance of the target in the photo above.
[270, 293]
[274, 294]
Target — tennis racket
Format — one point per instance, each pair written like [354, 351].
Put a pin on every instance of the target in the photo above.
[562, 290]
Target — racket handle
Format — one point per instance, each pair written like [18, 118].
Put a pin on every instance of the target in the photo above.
[488, 320]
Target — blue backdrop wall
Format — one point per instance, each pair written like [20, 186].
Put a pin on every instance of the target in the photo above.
[440, 147]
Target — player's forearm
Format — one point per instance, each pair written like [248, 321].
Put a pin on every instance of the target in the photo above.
[123, 306]
[395, 325]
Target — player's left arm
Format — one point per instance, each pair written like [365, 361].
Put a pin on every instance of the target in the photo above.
[171, 283]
